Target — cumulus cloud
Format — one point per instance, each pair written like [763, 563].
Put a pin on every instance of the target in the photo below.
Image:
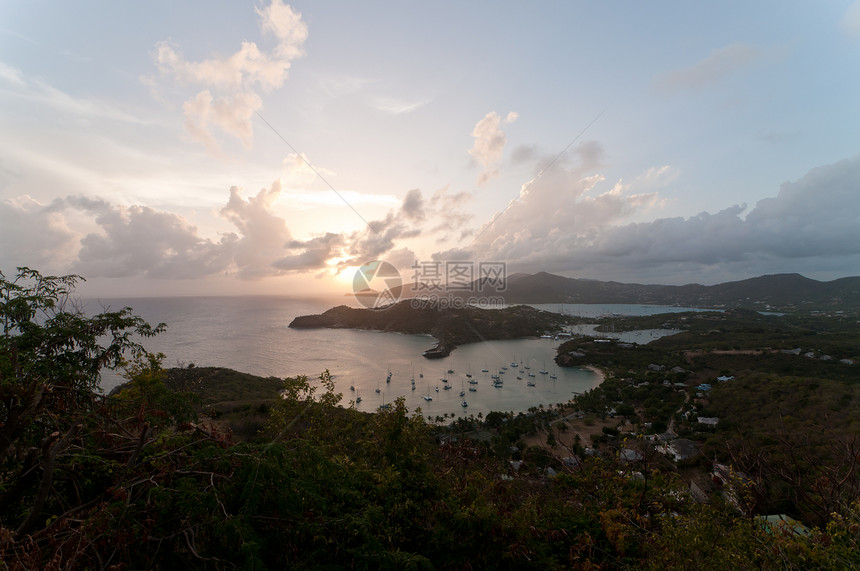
[656, 177]
[719, 64]
[34, 235]
[811, 222]
[452, 221]
[263, 234]
[135, 241]
[232, 113]
[229, 96]
[139, 240]
[489, 143]
[377, 239]
[413, 205]
[298, 170]
[312, 254]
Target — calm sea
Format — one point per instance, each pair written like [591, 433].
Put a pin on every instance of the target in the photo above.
[251, 334]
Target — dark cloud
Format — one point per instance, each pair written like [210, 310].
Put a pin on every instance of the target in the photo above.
[810, 221]
[34, 235]
[413, 205]
[142, 241]
[311, 254]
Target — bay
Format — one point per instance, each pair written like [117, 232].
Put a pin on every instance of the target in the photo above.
[251, 334]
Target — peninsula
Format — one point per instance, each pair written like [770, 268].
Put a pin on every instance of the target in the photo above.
[450, 326]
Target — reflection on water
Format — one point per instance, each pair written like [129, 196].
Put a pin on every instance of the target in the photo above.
[250, 334]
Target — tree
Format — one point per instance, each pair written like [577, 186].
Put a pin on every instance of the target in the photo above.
[147, 396]
[51, 355]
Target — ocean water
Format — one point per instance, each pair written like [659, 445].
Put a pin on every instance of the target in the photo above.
[251, 334]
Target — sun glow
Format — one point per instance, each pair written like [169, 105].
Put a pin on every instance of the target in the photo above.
[342, 275]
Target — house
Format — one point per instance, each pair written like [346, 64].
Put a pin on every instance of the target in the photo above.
[724, 378]
[704, 387]
[630, 455]
[682, 449]
[709, 420]
[655, 367]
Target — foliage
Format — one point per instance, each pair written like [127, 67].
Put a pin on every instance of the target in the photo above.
[147, 395]
[125, 483]
[50, 358]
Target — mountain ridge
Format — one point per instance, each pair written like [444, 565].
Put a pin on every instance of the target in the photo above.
[771, 290]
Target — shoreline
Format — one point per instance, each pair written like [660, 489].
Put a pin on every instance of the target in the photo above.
[601, 374]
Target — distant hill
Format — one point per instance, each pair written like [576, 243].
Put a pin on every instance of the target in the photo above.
[779, 291]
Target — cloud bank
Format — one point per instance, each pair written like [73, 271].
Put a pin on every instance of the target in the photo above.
[560, 225]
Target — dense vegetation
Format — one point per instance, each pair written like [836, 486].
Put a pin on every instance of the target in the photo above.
[450, 326]
[789, 417]
[135, 480]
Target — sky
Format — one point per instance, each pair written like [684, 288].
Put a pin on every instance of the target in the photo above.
[222, 147]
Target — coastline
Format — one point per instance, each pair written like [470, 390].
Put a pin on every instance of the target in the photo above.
[601, 374]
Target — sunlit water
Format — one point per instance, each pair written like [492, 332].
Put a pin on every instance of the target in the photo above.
[251, 334]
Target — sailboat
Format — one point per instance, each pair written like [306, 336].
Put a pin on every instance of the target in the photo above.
[427, 397]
